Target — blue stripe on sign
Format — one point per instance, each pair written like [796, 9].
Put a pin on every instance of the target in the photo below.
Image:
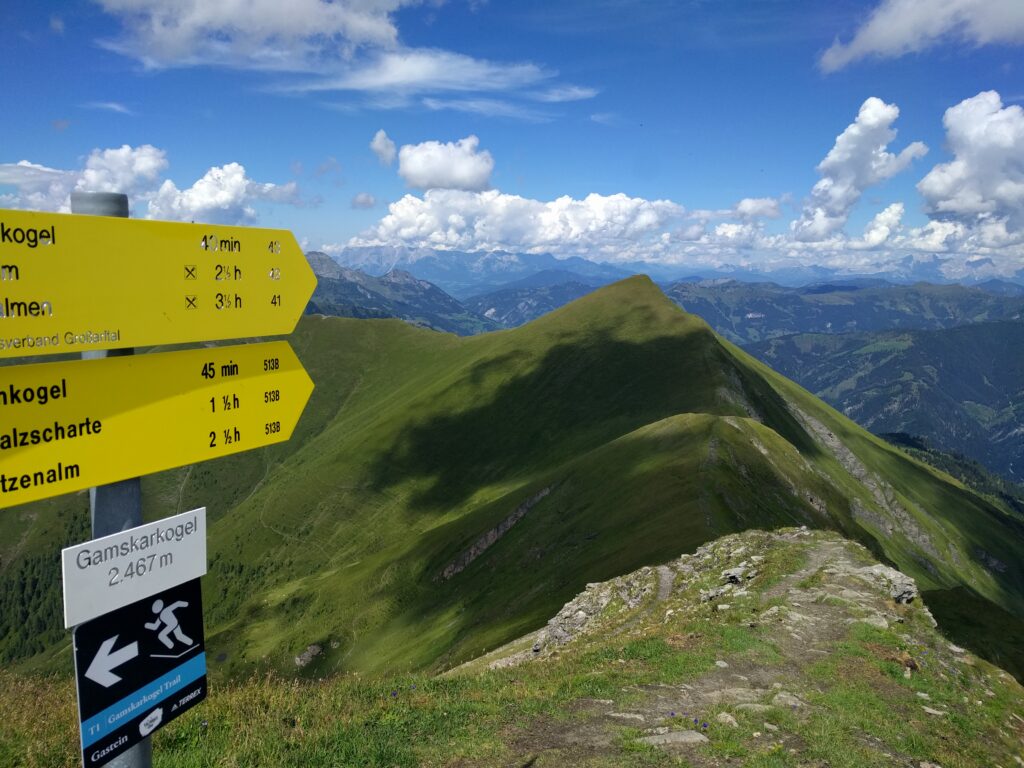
[143, 700]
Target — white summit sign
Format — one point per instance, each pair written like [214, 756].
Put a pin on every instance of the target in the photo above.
[114, 571]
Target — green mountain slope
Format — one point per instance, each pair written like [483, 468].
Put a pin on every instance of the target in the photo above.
[1009, 496]
[443, 495]
[961, 388]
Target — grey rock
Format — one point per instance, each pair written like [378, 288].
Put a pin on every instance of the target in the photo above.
[674, 738]
[785, 699]
[726, 719]
[733, 575]
[307, 656]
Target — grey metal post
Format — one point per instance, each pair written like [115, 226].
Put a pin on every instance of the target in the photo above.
[117, 506]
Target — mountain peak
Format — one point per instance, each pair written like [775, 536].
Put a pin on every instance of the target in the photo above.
[634, 307]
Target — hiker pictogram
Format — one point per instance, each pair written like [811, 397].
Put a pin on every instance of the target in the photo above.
[166, 617]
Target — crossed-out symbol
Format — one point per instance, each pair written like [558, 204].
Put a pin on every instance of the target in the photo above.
[190, 272]
[190, 302]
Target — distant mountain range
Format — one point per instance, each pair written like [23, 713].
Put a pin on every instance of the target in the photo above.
[528, 299]
[346, 292]
[464, 274]
[521, 288]
[746, 313]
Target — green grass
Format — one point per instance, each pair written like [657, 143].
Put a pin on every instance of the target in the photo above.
[652, 434]
[858, 704]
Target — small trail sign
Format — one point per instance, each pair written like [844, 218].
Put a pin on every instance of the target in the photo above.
[113, 571]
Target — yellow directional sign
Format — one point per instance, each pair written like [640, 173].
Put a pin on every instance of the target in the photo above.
[71, 425]
[78, 283]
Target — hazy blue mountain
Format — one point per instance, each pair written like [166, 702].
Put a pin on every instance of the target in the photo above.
[1001, 287]
[746, 313]
[346, 292]
[464, 274]
[512, 307]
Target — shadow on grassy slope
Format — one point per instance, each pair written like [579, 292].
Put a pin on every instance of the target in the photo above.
[644, 498]
[580, 395]
[970, 620]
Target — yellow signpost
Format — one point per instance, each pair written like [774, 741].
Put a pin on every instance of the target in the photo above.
[71, 283]
[66, 426]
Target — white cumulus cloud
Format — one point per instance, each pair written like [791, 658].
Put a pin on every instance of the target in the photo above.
[984, 183]
[758, 207]
[124, 169]
[899, 27]
[130, 170]
[36, 187]
[225, 194]
[858, 159]
[449, 165]
[881, 228]
[383, 147]
[608, 226]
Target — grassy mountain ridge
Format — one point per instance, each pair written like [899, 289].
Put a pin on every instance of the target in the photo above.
[626, 426]
[970, 473]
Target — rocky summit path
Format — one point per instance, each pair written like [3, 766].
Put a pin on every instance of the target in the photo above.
[781, 628]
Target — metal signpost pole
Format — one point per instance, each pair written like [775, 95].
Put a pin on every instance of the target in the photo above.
[118, 506]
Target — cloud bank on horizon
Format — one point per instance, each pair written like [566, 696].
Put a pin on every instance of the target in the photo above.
[975, 204]
[224, 194]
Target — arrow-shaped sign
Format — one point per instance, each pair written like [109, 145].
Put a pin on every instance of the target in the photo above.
[73, 425]
[100, 669]
[79, 283]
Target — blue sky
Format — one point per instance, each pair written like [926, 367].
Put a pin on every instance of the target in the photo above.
[679, 132]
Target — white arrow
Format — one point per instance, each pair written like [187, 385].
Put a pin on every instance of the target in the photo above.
[100, 668]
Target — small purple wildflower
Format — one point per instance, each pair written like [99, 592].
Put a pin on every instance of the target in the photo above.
[671, 714]
[703, 725]
[394, 694]
[696, 720]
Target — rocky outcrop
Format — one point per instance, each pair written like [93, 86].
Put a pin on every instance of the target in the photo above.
[488, 539]
[306, 657]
